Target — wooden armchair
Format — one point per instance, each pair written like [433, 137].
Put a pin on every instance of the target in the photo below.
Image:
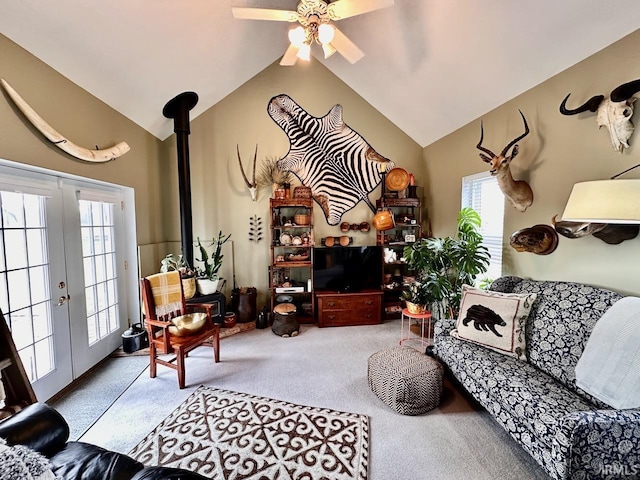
[169, 321]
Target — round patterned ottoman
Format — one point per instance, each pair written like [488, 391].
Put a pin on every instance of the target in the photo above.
[406, 380]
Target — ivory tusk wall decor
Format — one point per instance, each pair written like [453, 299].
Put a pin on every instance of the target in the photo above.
[96, 156]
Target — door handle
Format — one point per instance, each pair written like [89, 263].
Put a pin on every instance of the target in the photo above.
[62, 300]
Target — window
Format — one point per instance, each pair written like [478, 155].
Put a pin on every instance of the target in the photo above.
[481, 192]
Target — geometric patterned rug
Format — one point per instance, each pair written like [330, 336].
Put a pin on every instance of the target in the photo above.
[226, 435]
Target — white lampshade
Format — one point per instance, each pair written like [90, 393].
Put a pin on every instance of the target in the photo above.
[297, 36]
[325, 33]
[305, 52]
[604, 201]
[328, 49]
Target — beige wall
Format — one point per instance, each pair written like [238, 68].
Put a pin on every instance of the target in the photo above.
[86, 121]
[559, 152]
[220, 197]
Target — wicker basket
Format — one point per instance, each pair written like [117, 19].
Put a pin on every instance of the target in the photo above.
[189, 287]
[302, 192]
[301, 218]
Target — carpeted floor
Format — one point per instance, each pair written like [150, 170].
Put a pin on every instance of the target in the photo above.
[327, 368]
[97, 391]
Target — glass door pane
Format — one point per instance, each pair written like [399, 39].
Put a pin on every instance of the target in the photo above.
[99, 259]
[95, 263]
[28, 264]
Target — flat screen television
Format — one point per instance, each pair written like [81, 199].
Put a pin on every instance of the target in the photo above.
[347, 269]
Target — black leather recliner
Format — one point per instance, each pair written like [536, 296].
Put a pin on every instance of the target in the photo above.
[42, 428]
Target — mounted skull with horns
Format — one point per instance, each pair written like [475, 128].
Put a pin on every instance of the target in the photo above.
[610, 233]
[517, 191]
[253, 186]
[614, 112]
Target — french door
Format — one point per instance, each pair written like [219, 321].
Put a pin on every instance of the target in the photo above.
[61, 259]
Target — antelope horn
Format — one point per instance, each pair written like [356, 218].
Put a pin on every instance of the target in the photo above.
[479, 145]
[592, 105]
[255, 157]
[517, 139]
[246, 180]
[97, 156]
[625, 91]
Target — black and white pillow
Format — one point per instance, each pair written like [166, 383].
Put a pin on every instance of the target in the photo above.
[21, 463]
[494, 320]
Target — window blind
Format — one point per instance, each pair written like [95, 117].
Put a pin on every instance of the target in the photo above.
[481, 192]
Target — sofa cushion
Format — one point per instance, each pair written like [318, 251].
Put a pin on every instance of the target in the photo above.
[529, 404]
[494, 320]
[38, 427]
[560, 322]
[82, 461]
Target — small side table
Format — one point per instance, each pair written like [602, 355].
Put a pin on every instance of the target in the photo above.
[414, 316]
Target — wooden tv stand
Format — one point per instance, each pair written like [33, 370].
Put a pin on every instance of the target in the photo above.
[338, 309]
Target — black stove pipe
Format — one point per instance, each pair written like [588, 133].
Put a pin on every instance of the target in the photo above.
[178, 109]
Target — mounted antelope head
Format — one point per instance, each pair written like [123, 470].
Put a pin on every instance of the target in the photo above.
[253, 189]
[614, 112]
[518, 192]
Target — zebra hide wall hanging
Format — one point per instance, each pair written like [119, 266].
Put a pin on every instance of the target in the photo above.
[327, 155]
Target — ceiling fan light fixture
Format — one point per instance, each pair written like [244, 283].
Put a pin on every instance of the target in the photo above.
[297, 36]
[328, 49]
[325, 33]
[304, 53]
[315, 18]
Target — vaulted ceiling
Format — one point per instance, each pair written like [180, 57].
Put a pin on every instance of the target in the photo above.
[430, 66]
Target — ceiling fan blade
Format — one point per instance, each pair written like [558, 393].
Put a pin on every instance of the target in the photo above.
[290, 56]
[264, 14]
[349, 8]
[346, 47]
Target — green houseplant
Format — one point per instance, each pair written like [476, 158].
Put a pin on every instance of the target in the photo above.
[419, 296]
[171, 263]
[208, 274]
[443, 265]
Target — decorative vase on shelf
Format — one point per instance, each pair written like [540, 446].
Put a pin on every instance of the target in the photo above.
[206, 286]
[416, 308]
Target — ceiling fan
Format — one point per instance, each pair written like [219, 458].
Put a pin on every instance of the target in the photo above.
[315, 18]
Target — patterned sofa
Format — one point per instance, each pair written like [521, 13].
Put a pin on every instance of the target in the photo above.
[571, 434]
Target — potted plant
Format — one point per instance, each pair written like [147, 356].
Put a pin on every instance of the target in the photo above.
[187, 274]
[420, 296]
[208, 274]
[445, 264]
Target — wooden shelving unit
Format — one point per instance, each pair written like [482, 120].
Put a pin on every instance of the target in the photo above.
[408, 228]
[291, 267]
[16, 384]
